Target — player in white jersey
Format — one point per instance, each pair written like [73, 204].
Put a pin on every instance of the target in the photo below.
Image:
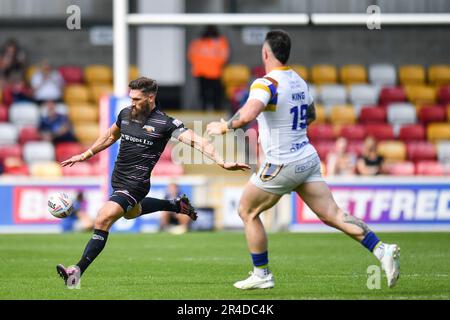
[281, 103]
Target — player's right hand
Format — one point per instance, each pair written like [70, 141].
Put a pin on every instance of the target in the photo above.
[70, 162]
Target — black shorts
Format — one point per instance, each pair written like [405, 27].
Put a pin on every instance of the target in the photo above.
[126, 199]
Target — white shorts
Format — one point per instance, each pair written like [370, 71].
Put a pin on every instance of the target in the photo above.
[284, 178]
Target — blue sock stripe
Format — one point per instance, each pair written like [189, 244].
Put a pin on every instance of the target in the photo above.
[260, 259]
[370, 241]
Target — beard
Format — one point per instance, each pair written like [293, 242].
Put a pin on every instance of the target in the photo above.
[142, 114]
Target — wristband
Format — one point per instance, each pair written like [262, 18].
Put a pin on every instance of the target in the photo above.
[87, 154]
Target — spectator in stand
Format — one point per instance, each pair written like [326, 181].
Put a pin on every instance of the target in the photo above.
[16, 90]
[208, 55]
[55, 126]
[12, 60]
[79, 220]
[370, 163]
[47, 84]
[171, 221]
[340, 162]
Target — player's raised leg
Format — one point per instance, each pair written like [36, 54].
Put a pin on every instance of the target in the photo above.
[180, 205]
[253, 202]
[106, 217]
[318, 197]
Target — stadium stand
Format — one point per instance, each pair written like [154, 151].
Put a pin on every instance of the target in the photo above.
[342, 114]
[431, 113]
[353, 74]
[324, 74]
[439, 75]
[234, 77]
[392, 94]
[98, 74]
[405, 168]
[430, 168]
[372, 115]
[332, 94]
[408, 113]
[443, 151]
[9, 134]
[29, 133]
[443, 95]
[38, 151]
[45, 169]
[380, 131]
[392, 150]
[382, 74]
[438, 131]
[413, 132]
[71, 74]
[353, 132]
[76, 93]
[24, 114]
[363, 94]
[420, 150]
[411, 75]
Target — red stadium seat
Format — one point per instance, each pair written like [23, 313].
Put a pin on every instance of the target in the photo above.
[372, 115]
[432, 113]
[3, 114]
[323, 148]
[353, 132]
[10, 151]
[444, 95]
[80, 169]
[29, 134]
[414, 132]
[405, 168]
[258, 71]
[421, 151]
[71, 74]
[380, 131]
[17, 171]
[430, 168]
[392, 94]
[65, 150]
[321, 132]
[167, 168]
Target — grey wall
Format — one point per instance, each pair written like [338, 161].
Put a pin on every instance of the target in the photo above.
[42, 9]
[58, 45]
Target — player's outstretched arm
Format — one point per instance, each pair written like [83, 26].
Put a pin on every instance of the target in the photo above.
[103, 142]
[251, 109]
[206, 147]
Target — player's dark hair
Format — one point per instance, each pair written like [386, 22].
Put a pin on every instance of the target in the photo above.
[145, 85]
[280, 44]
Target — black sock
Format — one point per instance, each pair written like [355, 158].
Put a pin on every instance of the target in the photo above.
[93, 249]
[150, 205]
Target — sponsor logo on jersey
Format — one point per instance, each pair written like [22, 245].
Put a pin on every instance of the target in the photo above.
[177, 122]
[149, 129]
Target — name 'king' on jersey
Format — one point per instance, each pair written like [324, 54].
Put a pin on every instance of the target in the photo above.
[282, 124]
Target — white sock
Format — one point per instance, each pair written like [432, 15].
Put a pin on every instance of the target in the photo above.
[379, 250]
[261, 272]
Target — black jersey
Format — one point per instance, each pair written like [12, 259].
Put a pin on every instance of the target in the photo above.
[141, 145]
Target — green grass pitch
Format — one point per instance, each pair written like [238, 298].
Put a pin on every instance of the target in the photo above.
[205, 266]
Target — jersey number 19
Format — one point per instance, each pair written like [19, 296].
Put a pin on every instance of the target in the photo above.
[299, 125]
